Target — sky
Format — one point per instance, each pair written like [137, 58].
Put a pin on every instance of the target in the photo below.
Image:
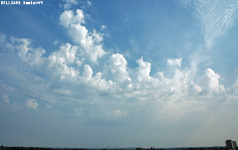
[107, 73]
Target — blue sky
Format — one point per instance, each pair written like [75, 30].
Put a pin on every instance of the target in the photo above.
[120, 73]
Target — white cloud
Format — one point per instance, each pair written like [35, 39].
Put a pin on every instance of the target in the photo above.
[31, 103]
[69, 3]
[167, 100]
[119, 113]
[180, 81]
[118, 68]
[116, 78]
[100, 83]
[59, 62]
[87, 73]
[89, 3]
[67, 52]
[216, 17]
[103, 27]
[89, 42]
[113, 90]
[68, 18]
[143, 70]
[172, 98]
[27, 53]
[213, 81]
[235, 85]
[175, 62]
[21, 47]
[196, 87]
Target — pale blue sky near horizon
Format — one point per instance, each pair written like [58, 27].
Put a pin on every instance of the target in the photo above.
[98, 73]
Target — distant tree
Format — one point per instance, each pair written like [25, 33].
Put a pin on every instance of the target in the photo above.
[2, 147]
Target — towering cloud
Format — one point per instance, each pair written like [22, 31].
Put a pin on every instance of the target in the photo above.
[118, 68]
[143, 70]
[89, 42]
[213, 81]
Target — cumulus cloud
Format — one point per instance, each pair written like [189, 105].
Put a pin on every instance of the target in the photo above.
[175, 62]
[90, 42]
[118, 68]
[213, 81]
[59, 62]
[143, 70]
[68, 17]
[116, 79]
[87, 73]
[117, 91]
[67, 53]
[32, 103]
[26, 52]
[180, 81]
[113, 88]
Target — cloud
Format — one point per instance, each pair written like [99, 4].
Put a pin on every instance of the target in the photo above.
[180, 82]
[31, 103]
[56, 42]
[103, 27]
[59, 62]
[88, 72]
[116, 78]
[90, 42]
[26, 52]
[67, 53]
[175, 62]
[215, 17]
[69, 3]
[74, 88]
[5, 98]
[213, 81]
[118, 68]
[143, 70]
[119, 113]
[68, 18]
[115, 88]
[89, 3]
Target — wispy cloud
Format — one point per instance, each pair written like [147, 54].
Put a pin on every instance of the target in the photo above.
[69, 3]
[215, 17]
